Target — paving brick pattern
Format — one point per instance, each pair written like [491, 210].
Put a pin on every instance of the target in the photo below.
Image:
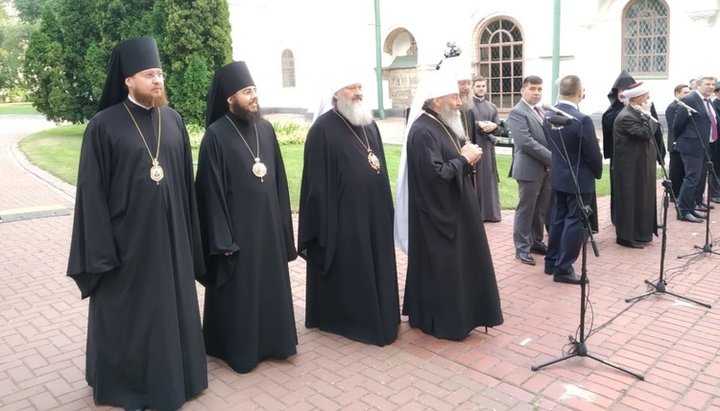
[672, 342]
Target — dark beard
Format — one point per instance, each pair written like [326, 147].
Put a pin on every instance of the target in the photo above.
[152, 100]
[245, 115]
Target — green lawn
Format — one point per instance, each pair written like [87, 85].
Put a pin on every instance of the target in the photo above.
[17, 108]
[57, 151]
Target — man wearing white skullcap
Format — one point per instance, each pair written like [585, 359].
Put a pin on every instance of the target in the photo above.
[633, 174]
[450, 286]
[345, 225]
[457, 68]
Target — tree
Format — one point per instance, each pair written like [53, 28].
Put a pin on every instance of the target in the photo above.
[30, 11]
[188, 86]
[55, 62]
[67, 58]
[195, 42]
[45, 68]
[14, 37]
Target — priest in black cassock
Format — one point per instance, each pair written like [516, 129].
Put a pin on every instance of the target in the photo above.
[346, 223]
[247, 230]
[486, 127]
[450, 287]
[617, 103]
[136, 244]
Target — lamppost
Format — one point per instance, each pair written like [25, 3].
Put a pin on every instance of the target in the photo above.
[556, 50]
[378, 62]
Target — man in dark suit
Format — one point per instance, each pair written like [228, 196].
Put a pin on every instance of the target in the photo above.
[714, 192]
[694, 131]
[531, 168]
[676, 171]
[576, 164]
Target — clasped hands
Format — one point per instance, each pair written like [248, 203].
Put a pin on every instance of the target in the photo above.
[486, 126]
[472, 153]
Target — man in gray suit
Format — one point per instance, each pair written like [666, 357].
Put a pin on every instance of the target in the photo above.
[531, 168]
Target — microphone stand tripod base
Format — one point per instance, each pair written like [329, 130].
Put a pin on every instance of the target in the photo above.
[579, 347]
[707, 248]
[580, 350]
[660, 288]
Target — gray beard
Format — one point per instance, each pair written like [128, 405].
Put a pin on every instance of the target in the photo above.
[451, 118]
[467, 102]
[354, 112]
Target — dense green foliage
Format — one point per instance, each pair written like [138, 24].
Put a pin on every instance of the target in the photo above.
[30, 11]
[14, 37]
[67, 57]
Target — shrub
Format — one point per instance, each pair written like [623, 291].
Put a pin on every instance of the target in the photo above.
[288, 133]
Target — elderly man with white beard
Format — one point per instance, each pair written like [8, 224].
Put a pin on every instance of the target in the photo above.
[450, 287]
[346, 224]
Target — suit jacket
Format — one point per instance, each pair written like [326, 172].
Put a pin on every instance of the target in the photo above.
[669, 117]
[583, 152]
[531, 150]
[686, 136]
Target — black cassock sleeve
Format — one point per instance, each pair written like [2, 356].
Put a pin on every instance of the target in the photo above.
[318, 201]
[217, 234]
[92, 248]
[439, 183]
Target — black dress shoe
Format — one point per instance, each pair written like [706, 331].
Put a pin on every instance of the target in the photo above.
[569, 278]
[690, 218]
[525, 258]
[701, 208]
[629, 244]
[698, 214]
[539, 248]
[715, 200]
[548, 270]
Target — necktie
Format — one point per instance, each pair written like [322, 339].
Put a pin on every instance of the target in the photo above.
[713, 121]
[540, 114]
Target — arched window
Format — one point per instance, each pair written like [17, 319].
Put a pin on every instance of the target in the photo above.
[500, 60]
[288, 68]
[645, 38]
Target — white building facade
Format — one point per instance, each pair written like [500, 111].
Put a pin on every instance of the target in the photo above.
[294, 49]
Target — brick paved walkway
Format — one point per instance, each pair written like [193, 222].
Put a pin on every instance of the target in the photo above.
[672, 342]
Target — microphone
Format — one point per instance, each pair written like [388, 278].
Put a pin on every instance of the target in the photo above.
[559, 120]
[558, 111]
[688, 108]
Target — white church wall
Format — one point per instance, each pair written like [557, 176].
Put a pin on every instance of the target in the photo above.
[326, 35]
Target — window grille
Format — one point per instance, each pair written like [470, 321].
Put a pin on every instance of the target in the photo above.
[288, 69]
[500, 60]
[645, 38]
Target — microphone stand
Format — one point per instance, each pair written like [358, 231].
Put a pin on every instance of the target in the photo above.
[710, 172]
[659, 287]
[579, 346]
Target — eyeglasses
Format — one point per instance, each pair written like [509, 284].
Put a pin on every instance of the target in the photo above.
[152, 75]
